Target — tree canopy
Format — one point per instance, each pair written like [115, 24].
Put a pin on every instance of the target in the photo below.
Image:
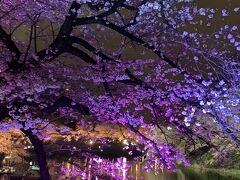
[151, 67]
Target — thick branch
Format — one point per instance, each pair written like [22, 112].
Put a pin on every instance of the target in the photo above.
[90, 48]
[60, 44]
[79, 53]
[11, 46]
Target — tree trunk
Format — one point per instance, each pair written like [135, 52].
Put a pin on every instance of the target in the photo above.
[40, 154]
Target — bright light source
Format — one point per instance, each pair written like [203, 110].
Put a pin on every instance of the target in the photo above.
[125, 141]
[7, 157]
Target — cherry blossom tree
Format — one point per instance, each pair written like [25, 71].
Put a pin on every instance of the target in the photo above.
[147, 66]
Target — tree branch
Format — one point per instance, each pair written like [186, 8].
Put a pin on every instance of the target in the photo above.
[62, 101]
[79, 53]
[11, 46]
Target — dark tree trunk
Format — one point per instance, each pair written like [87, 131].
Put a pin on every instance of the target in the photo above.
[2, 155]
[40, 154]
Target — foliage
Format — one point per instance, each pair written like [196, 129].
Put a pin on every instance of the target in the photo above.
[187, 83]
